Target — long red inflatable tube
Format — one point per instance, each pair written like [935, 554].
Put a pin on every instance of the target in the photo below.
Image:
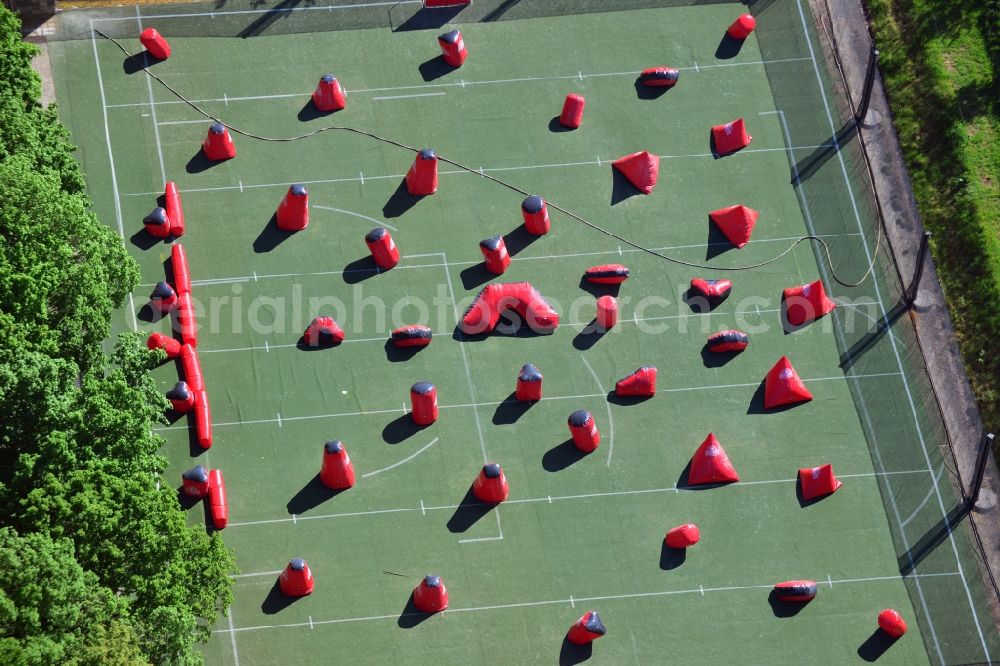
[179, 264]
[203, 420]
[174, 209]
[185, 320]
[192, 368]
[217, 499]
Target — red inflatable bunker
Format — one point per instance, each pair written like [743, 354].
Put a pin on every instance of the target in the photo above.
[323, 332]
[217, 500]
[892, 623]
[728, 341]
[414, 335]
[795, 591]
[175, 211]
[329, 96]
[164, 298]
[710, 464]
[806, 303]
[157, 340]
[296, 580]
[735, 222]
[572, 111]
[453, 48]
[607, 274]
[179, 268]
[293, 211]
[383, 248]
[154, 42]
[218, 145]
[484, 312]
[583, 429]
[337, 472]
[607, 312]
[430, 596]
[587, 629]
[192, 368]
[194, 482]
[641, 383]
[714, 291]
[157, 223]
[536, 215]
[491, 485]
[529, 383]
[185, 320]
[742, 27]
[202, 419]
[782, 386]
[495, 254]
[818, 481]
[422, 178]
[682, 536]
[181, 397]
[424, 403]
[730, 137]
[641, 169]
[659, 76]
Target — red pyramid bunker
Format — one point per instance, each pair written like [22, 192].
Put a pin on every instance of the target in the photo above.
[587, 629]
[735, 222]
[818, 481]
[782, 386]
[641, 383]
[430, 596]
[730, 137]
[641, 169]
[491, 485]
[710, 464]
[296, 580]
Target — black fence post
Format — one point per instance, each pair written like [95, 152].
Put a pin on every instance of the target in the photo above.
[866, 93]
[985, 445]
[918, 271]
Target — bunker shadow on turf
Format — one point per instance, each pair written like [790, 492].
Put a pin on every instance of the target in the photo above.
[310, 496]
[784, 609]
[671, 558]
[561, 456]
[511, 409]
[275, 601]
[468, 512]
[271, 236]
[571, 653]
[400, 429]
[410, 617]
[876, 645]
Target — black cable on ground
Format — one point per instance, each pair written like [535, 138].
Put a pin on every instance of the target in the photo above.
[606, 232]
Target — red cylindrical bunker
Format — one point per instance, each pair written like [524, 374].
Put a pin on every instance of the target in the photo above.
[154, 42]
[218, 503]
[572, 111]
[422, 178]
[383, 248]
[157, 223]
[536, 215]
[453, 48]
[584, 430]
[742, 27]
[424, 399]
[682, 536]
[891, 622]
[337, 472]
[175, 211]
[495, 254]
[164, 298]
[185, 320]
[202, 419]
[192, 368]
[218, 145]
[490, 485]
[529, 383]
[194, 482]
[607, 311]
[179, 268]
[587, 629]
[181, 397]
[293, 211]
[329, 96]
[430, 596]
[158, 340]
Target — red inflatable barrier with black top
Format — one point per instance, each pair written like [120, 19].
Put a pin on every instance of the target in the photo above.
[337, 472]
[483, 314]
[495, 254]
[163, 299]
[453, 48]
[607, 274]
[659, 76]
[202, 419]
[430, 596]
[536, 215]
[185, 320]
[175, 211]
[329, 95]
[157, 340]
[296, 580]
[584, 431]
[641, 383]
[587, 629]
[795, 591]
[607, 312]
[730, 137]
[422, 178]
[179, 267]
[529, 384]
[192, 368]
[424, 403]
[218, 144]
[157, 223]
[414, 335]
[491, 485]
[383, 248]
[182, 398]
[194, 482]
[293, 211]
[728, 341]
[217, 500]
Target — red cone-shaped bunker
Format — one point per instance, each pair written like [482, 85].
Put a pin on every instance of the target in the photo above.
[422, 178]
[218, 145]
[587, 629]
[584, 430]
[337, 472]
[892, 623]
[490, 485]
[430, 596]
[806, 303]
[424, 401]
[682, 536]
[640, 383]
[818, 481]
[323, 331]
[529, 383]
[181, 397]
[641, 169]
[157, 340]
[572, 111]
[293, 211]
[157, 223]
[154, 42]
[782, 386]
[795, 591]
[453, 48]
[329, 96]
[730, 137]
[735, 222]
[742, 27]
[296, 580]
[536, 215]
[194, 482]
[495, 254]
[710, 464]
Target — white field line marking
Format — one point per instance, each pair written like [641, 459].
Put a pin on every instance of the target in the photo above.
[431, 94]
[361, 175]
[549, 499]
[856, 308]
[481, 539]
[152, 105]
[257, 574]
[272, 10]
[474, 405]
[458, 84]
[279, 419]
[111, 162]
[462, 172]
[611, 419]
[403, 461]
[241, 192]
[927, 498]
[295, 520]
[267, 349]
[232, 636]
[572, 600]
[359, 215]
[310, 621]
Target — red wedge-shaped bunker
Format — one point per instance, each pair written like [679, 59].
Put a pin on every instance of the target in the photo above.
[782, 386]
[414, 335]
[806, 303]
[659, 76]
[728, 341]
[892, 623]
[818, 481]
[587, 629]
[607, 274]
[296, 580]
[730, 137]
[337, 472]
[323, 332]
[490, 485]
[641, 383]
[735, 222]
[710, 464]
[682, 536]
[795, 591]
[430, 596]
[641, 169]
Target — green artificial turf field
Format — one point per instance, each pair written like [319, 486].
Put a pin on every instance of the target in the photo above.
[577, 533]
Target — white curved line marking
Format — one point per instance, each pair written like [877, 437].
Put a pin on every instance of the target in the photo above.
[611, 420]
[404, 460]
[363, 217]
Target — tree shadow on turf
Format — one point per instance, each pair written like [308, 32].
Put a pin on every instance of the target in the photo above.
[571, 653]
[783, 609]
[186, 501]
[876, 645]
[396, 354]
[683, 484]
[671, 558]
[597, 289]
[410, 617]
[511, 409]
[400, 429]
[435, 68]
[561, 456]
[621, 187]
[728, 47]
[271, 236]
[199, 163]
[468, 512]
[429, 18]
[712, 359]
[264, 21]
[626, 400]
[144, 240]
[717, 243]
[700, 304]
[360, 270]
[400, 201]
[757, 403]
[310, 496]
[650, 92]
[589, 336]
[275, 601]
